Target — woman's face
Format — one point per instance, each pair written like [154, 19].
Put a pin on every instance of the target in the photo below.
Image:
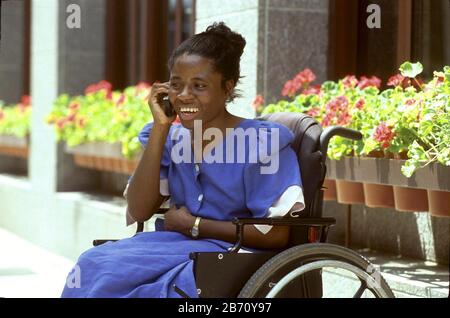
[196, 91]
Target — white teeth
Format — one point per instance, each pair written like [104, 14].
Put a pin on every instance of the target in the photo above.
[189, 109]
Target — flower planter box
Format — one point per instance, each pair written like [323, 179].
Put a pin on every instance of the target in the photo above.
[329, 193]
[102, 156]
[434, 179]
[14, 146]
[388, 172]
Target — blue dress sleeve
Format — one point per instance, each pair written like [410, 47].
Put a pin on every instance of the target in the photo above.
[267, 179]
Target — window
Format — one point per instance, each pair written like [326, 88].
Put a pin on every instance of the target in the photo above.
[140, 35]
[415, 30]
[431, 34]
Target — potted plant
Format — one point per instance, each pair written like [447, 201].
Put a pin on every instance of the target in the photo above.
[15, 128]
[433, 137]
[101, 127]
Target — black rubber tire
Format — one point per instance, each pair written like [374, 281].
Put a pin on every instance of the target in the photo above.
[305, 253]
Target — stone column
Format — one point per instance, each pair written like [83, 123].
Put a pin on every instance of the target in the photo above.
[64, 60]
[292, 35]
[283, 37]
[241, 16]
[44, 90]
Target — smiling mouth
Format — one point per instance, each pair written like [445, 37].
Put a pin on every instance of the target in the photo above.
[187, 113]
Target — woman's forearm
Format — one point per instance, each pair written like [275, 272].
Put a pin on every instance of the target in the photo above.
[143, 195]
[277, 237]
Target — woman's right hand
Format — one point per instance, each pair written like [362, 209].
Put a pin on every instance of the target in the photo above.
[157, 92]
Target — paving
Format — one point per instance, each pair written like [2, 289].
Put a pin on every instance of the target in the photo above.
[29, 271]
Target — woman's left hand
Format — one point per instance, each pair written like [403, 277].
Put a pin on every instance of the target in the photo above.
[179, 220]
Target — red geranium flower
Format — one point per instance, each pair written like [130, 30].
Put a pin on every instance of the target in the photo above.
[337, 112]
[367, 82]
[313, 112]
[258, 102]
[26, 100]
[350, 81]
[301, 80]
[102, 85]
[289, 89]
[312, 90]
[396, 80]
[61, 123]
[74, 106]
[304, 77]
[360, 103]
[384, 135]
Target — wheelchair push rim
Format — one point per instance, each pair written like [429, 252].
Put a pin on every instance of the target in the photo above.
[310, 259]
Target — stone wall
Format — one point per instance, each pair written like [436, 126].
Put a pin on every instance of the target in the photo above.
[11, 52]
[292, 35]
[416, 235]
[242, 17]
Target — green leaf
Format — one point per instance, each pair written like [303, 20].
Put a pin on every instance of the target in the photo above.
[409, 168]
[411, 70]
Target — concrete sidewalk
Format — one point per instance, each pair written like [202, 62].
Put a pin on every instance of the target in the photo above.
[27, 270]
[411, 277]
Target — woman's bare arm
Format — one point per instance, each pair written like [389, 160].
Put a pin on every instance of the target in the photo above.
[143, 195]
[181, 220]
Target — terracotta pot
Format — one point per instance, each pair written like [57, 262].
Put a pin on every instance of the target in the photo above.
[349, 192]
[117, 167]
[21, 152]
[80, 160]
[439, 203]
[131, 166]
[410, 199]
[329, 194]
[107, 164]
[14, 146]
[379, 196]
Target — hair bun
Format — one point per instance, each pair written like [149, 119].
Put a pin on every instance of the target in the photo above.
[237, 42]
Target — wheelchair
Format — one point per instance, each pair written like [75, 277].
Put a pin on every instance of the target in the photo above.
[297, 271]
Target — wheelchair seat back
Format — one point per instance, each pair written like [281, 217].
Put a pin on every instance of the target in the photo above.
[306, 145]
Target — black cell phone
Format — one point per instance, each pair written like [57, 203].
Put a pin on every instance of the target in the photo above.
[167, 106]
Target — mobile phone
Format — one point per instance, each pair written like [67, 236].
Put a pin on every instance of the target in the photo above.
[167, 106]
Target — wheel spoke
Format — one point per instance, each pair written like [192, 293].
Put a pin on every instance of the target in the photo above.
[361, 289]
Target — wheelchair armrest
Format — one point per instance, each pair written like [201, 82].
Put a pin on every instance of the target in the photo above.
[286, 221]
[240, 223]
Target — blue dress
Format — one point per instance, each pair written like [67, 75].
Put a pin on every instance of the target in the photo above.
[229, 182]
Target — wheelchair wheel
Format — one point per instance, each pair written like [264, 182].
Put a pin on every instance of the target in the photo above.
[309, 270]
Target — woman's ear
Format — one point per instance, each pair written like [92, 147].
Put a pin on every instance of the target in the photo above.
[229, 86]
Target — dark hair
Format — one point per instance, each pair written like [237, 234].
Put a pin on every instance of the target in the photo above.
[218, 43]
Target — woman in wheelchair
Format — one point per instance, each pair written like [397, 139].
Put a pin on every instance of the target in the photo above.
[215, 182]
